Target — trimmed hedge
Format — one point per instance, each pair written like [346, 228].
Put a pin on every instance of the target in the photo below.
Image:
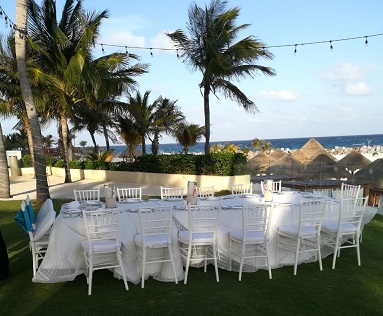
[222, 164]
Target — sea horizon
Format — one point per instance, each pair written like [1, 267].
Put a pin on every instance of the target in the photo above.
[328, 142]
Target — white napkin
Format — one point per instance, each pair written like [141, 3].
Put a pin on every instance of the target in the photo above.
[74, 204]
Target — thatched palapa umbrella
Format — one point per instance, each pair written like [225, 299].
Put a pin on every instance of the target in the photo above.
[354, 161]
[323, 167]
[277, 154]
[313, 149]
[260, 162]
[372, 173]
[300, 156]
[125, 153]
[287, 165]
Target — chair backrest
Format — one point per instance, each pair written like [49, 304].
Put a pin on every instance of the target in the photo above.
[349, 191]
[203, 220]
[167, 193]
[277, 186]
[44, 220]
[129, 193]
[156, 221]
[311, 216]
[87, 195]
[352, 211]
[256, 220]
[205, 191]
[102, 225]
[242, 188]
[323, 192]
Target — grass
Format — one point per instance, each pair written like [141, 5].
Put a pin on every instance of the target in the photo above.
[347, 290]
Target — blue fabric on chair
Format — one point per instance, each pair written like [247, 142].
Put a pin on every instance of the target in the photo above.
[31, 213]
[22, 218]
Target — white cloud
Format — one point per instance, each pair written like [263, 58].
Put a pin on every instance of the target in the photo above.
[357, 89]
[161, 40]
[281, 95]
[344, 72]
[124, 38]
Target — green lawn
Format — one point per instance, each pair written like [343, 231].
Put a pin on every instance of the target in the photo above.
[347, 290]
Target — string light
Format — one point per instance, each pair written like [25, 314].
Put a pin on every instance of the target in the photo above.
[366, 41]
[151, 53]
[178, 56]
[126, 51]
[102, 48]
[295, 49]
[9, 22]
[331, 45]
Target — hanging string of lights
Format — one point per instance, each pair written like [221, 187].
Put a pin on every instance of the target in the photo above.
[12, 25]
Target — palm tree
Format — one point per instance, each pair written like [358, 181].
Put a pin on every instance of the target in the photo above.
[129, 134]
[166, 117]
[63, 51]
[42, 189]
[212, 49]
[188, 135]
[5, 189]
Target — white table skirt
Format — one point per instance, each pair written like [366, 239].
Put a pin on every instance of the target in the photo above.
[64, 259]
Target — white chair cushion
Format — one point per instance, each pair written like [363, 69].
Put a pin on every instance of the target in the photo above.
[251, 236]
[42, 242]
[105, 245]
[197, 237]
[44, 225]
[332, 227]
[152, 241]
[292, 230]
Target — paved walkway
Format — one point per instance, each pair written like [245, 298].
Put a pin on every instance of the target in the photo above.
[23, 185]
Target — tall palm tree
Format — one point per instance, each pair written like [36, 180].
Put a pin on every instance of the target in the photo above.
[188, 135]
[5, 189]
[129, 134]
[211, 48]
[63, 51]
[42, 189]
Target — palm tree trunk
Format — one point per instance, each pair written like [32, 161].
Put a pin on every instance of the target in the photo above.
[143, 146]
[64, 141]
[106, 136]
[206, 107]
[5, 189]
[94, 142]
[155, 143]
[28, 131]
[42, 189]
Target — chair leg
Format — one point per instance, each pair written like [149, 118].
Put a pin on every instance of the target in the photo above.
[187, 263]
[230, 253]
[278, 250]
[336, 250]
[319, 254]
[296, 257]
[215, 261]
[90, 278]
[268, 261]
[34, 260]
[122, 270]
[170, 250]
[241, 261]
[358, 249]
[143, 267]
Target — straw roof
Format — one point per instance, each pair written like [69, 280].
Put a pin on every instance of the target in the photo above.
[372, 173]
[125, 153]
[287, 165]
[260, 162]
[277, 154]
[354, 161]
[313, 149]
[323, 167]
[300, 155]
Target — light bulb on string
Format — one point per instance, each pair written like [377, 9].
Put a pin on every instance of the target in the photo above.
[102, 48]
[126, 51]
[6, 21]
[366, 41]
[1, 13]
[151, 53]
[178, 55]
[295, 49]
[331, 47]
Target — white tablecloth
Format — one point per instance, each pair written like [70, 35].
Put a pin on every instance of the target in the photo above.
[64, 259]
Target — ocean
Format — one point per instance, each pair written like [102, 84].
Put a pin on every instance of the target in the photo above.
[353, 141]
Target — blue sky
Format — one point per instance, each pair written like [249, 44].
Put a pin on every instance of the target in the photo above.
[316, 92]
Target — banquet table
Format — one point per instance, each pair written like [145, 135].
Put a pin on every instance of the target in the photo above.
[64, 259]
